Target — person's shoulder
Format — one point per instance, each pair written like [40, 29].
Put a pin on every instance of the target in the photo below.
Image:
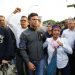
[26, 32]
[66, 30]
[7, 29]
[49, 39]
[63, 38]
[41, 30]
[4, 29]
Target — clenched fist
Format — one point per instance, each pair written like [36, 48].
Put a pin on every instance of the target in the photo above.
[17, 10]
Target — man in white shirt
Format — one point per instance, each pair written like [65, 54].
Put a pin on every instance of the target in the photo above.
[17, 30]
[69, 34]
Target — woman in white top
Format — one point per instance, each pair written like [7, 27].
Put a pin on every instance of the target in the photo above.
[57, 49]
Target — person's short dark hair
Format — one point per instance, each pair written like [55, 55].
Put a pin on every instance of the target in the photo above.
[2, 16]
[31, 15]
[49, 24]
[23, 17]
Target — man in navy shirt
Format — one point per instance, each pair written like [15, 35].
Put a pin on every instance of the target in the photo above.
[6, 51]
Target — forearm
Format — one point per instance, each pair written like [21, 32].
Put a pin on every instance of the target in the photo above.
[24, 55]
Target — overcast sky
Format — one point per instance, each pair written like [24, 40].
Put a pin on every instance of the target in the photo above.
[47, 9]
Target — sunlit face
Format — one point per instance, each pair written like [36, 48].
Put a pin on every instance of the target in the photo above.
[24, 22]
[56, 32]
[34, 21]
[2, 21]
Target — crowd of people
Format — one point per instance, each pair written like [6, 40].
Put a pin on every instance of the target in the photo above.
[35, 51]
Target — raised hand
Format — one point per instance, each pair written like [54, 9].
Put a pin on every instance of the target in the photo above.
[17, 10]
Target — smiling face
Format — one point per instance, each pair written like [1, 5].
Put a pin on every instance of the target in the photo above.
[56, 32]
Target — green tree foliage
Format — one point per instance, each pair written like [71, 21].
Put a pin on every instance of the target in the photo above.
[49, 21]
[61, 23]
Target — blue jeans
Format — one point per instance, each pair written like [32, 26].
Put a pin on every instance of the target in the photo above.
[40, 66]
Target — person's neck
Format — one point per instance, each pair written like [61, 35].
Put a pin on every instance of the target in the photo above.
[34, 28]
[23, 27]
[72, 28]
[55, 38]
[2, 26]
[49, 32]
